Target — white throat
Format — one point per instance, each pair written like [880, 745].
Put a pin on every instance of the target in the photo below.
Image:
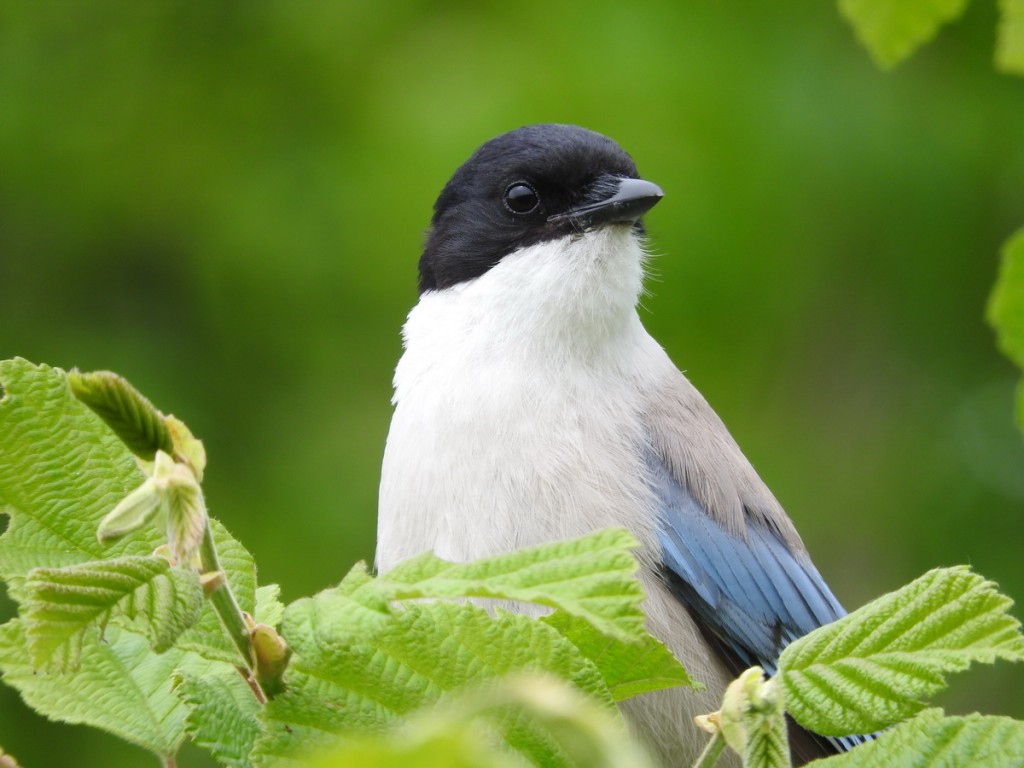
[564, 298]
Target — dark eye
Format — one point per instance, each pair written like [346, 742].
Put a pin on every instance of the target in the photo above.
[520, 198]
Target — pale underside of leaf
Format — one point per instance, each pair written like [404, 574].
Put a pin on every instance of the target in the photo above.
[460, 745]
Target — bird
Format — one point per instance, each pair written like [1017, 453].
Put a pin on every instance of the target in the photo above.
[531, 405]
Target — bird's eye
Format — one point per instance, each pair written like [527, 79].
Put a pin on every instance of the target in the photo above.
[520, 198]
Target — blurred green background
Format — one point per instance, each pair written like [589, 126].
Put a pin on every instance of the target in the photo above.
[225, 203]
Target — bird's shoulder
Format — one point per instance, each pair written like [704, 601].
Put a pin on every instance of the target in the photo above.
[727, 549]
[688, 438]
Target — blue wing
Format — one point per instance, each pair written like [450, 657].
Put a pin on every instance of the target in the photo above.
[728, 551]
[752, 596]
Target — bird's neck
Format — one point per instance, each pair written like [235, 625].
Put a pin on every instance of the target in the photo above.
[570, 300]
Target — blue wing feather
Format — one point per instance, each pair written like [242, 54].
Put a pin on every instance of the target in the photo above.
[754, 594]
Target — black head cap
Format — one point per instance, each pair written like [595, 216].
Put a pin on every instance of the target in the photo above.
[526, 186]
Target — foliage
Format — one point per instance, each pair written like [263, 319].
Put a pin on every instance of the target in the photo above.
[895, 651]
[456, 734]
[63, 604]
[892, 30]
[359, 662]
[870, 671]
[752, 720]
[131, 416]
[1006, 309]
[1010, 47]
[126, 642]
[402, 666]
[931, 740]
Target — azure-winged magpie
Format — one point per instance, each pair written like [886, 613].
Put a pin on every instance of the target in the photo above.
[531, 405]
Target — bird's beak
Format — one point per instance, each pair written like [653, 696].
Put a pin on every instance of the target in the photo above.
[628, 200]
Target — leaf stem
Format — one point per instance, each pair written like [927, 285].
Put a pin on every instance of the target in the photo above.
[709, 757]
[230, 613]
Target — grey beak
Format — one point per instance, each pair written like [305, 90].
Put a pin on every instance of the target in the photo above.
[631, 199]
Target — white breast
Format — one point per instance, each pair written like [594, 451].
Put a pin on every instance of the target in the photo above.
[517, 403]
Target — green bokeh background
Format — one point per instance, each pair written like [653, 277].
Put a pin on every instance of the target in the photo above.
[225, 203]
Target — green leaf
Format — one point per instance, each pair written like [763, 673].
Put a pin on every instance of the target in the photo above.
[343, 679]
[460, 732]
[752, 721]
[870, 669]
[183, 500]
[1010, 41]
[134, 511]
[361, 661]
[120, 686]
[187, 449]
[62, 603]
[590, 577]
[1006, 306]
[933, 741]
[171, 492]
[61, 471]
[222, 715]
[891, 30]
[628, 668]
[269, 608]
[132, 417]
[445, 745]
